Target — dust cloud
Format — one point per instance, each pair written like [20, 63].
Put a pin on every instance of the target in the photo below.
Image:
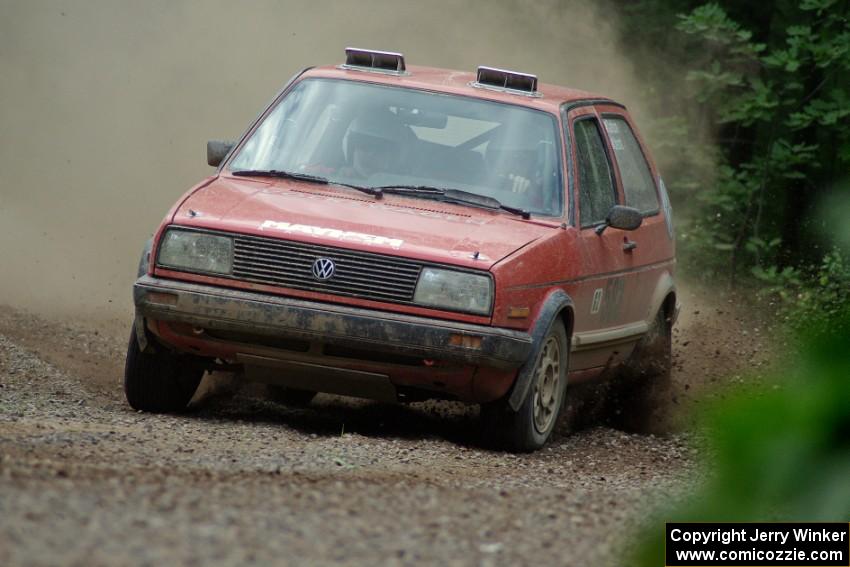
[105, 108]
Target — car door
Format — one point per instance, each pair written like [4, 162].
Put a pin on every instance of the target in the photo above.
[651, 246]
[608, 315]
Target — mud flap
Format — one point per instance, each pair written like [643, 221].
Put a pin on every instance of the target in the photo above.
[552, 307]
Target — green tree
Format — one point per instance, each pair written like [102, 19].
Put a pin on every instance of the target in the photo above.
[780, 103]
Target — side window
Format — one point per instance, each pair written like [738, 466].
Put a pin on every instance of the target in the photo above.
[638, 185]
[596, 185]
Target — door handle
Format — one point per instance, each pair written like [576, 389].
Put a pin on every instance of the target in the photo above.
[629, 245]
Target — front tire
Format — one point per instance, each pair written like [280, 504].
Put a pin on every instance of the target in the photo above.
[159, 381]
[530, 427]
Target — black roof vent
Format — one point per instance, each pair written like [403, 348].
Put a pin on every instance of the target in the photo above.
[370, 60]
[502, 79]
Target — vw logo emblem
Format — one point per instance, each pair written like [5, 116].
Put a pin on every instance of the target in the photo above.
[323, 269]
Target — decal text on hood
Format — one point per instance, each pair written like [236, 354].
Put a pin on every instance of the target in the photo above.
[335, 233]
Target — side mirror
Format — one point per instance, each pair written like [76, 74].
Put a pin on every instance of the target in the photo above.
[217, 150]
[624, 218]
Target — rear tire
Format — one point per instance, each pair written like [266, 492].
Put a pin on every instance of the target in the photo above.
[159, 381]
[642, 394]
[529, 428]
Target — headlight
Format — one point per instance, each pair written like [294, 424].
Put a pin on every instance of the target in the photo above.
[454, 291]
[196, 252]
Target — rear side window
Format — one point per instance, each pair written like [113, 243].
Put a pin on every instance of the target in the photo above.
[638, 185]
[596, 185]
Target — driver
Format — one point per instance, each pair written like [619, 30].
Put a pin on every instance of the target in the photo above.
[513, 158]
[374, 144]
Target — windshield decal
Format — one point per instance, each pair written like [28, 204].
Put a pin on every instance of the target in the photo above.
[318, 231]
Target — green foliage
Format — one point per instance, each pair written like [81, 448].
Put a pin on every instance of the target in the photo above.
[779, 100]
[812, 298]
[724, 221]
[818, 5]
[828, 111]
[712, 24]
[779, 453]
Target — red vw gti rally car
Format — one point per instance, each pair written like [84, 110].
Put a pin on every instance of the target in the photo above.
[405, 233]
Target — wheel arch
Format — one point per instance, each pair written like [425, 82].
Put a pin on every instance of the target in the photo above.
[145, 259]
[557, 306]
[143, 337]
[665, 297]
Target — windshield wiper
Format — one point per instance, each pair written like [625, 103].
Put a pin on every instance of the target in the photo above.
[413, 189]
[281, 175]
[377, 192]
[524, 213]
[454, 196]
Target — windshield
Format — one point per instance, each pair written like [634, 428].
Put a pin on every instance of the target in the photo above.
[377, 136]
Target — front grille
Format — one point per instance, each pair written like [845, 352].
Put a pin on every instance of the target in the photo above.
[358, 274]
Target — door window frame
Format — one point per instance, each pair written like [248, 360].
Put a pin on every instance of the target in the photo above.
[653, 172]
[574, 177]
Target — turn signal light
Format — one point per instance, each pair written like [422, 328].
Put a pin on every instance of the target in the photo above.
[465, 341]
[161, 298]
[518, 312]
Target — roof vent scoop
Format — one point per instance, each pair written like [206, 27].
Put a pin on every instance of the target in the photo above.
[502, 79]
[369, 60]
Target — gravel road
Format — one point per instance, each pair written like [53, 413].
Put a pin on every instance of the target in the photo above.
[85, 480]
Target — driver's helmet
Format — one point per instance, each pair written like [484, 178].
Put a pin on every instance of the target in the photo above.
[375, 141]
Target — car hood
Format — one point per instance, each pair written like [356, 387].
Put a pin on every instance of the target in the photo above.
[337, 216]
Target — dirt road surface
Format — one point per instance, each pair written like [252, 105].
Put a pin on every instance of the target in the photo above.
[85, 480]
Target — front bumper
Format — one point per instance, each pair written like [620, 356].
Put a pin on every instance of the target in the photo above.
[225, 309]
